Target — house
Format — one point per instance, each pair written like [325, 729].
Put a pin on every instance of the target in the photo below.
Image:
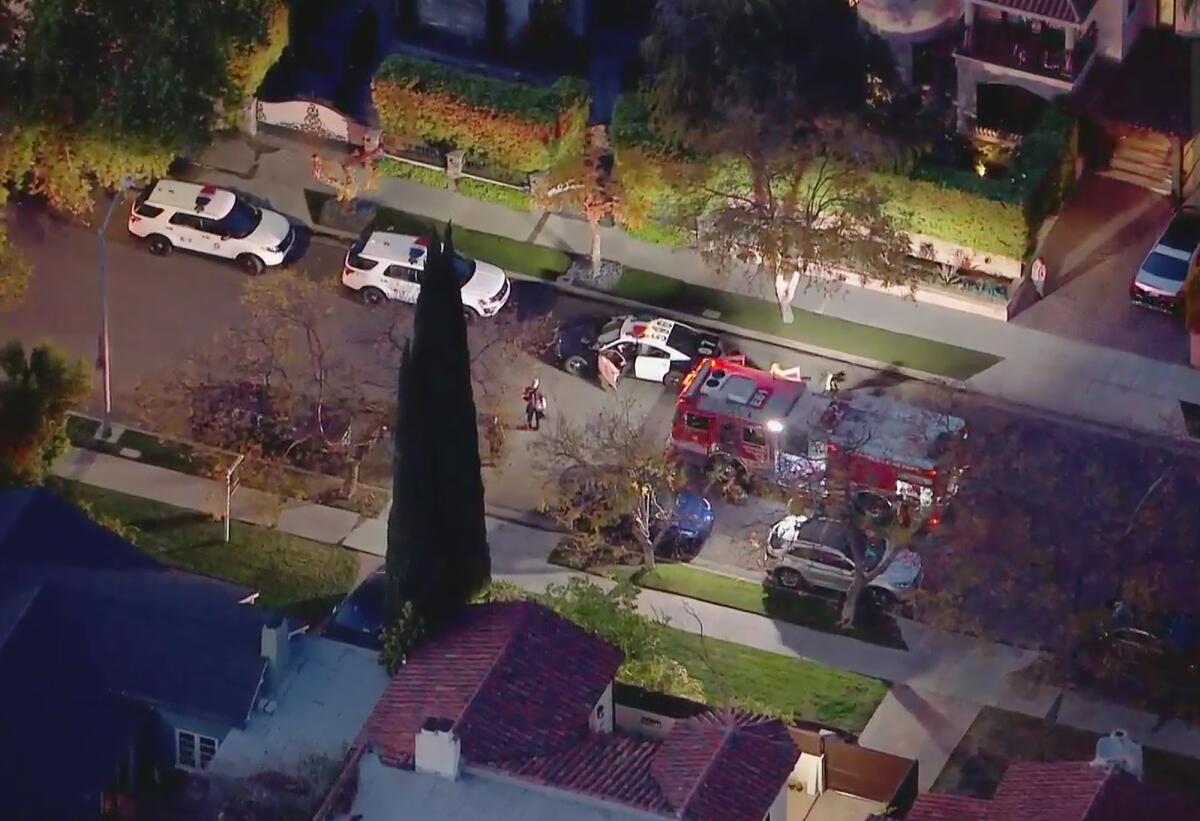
[469, 20]
[114, 669]
[509, 713]
[1109, 788]
[1128, 66]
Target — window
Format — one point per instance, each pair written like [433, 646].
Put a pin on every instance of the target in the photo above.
[754, 435]
[143, 209]
[650, 350]
[697, 422]
[187, 221]
[831, 559]
[239, 223]
[194, 751]
[403, 273]
[361, 263]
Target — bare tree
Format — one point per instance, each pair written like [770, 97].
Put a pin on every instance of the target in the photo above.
[583, 183]
[607, 475]
[279, 387]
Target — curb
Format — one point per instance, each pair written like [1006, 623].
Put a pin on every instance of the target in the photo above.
[758, 336]
[523, 518]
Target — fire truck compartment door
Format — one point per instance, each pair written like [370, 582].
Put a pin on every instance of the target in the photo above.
[651, 364]
[610, 364]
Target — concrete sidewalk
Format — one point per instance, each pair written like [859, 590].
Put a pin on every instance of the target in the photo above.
[1042, 370]
[946, 677]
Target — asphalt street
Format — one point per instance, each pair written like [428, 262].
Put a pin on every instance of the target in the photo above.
[164, 310]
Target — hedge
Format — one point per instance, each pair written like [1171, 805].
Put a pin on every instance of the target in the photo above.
[248, 67]
[513, 198]
[410, 171]
[515, 126]
[991, 215]
[661, 177]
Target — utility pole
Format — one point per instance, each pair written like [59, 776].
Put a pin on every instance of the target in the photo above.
[103, 360]
[230, 487]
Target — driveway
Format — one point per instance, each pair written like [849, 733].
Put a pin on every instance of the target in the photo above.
[1092, 252]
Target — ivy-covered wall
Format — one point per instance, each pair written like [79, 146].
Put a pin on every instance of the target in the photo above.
[513, 126]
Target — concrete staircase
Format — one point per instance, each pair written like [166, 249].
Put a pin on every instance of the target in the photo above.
[1143, 160]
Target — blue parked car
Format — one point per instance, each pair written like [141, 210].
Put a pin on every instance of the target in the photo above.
[689, 524]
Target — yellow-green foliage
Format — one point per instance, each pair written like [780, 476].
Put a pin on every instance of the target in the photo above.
[953, 215]
[248, 67]
[66, 167]
[514, 126]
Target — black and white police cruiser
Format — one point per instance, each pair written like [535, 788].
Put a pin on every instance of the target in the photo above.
[648, 347]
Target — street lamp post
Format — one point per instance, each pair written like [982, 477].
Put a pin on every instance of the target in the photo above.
[104, 357]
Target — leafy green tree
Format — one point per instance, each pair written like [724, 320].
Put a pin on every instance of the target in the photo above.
[437, 556]
[96, 90]
[790, 101]
[613, 615]
[36, 391]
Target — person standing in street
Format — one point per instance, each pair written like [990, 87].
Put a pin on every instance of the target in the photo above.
[535, 404]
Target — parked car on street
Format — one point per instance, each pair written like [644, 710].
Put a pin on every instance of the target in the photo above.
[804, 552]
[651, 348]
[360, 618]
[384, 266]
[1140, 653]
[1158, 284]
[210, 220]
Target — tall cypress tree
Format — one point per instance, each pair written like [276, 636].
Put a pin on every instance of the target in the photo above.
[437, 553]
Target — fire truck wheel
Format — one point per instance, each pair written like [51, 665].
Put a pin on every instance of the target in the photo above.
[789, 578]
[724, 469]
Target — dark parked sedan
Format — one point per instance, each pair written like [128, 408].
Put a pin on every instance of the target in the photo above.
[362, 615]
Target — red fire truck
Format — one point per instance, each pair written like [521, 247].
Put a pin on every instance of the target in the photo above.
[733, 417]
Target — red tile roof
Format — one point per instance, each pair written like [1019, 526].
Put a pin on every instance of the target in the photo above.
[1069, 11]
[1060, 791]
[614, 767]
[933, 807]
[513, 677]
[744, 771]
[517, 683]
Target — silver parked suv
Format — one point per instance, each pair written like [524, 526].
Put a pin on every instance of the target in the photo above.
[819, 553]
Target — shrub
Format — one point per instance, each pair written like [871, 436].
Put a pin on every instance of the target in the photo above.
[512, 125]
[660, 178]
[662, 233]
[993, 215]
[248, 68]
[417, 173]
[513, 198]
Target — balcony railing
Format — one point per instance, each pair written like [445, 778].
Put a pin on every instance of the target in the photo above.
[1017, 45]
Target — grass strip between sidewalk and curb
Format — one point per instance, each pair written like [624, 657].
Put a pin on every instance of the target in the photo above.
[810, 328]
[512, 255]
[808, 611]
[303, 578]
[788, 686]
[200, 460]
[865, 342]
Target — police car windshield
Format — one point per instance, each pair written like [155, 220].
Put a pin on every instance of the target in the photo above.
[240, 222]
[464, 268]
[609, 331]
[687, 341]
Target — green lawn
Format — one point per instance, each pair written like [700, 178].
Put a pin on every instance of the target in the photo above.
[301, 577]
[789, 686]
[510, 254]
[810, 611]
[809, 328]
